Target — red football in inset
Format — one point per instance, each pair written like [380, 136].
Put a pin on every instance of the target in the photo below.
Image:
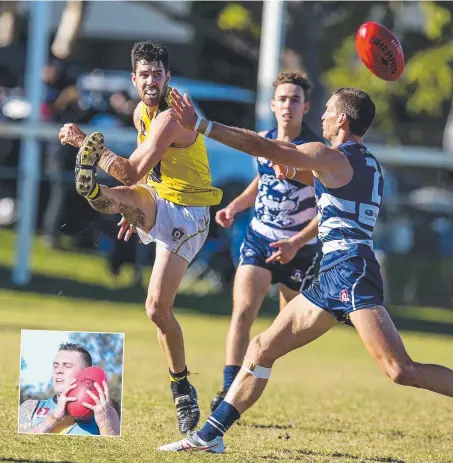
[85, 382]
[380, 51]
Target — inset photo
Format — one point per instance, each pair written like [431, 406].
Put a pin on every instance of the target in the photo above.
[71, 383]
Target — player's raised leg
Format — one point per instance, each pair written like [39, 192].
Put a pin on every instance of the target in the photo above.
[384, 343]
[168, 271]
[299, 324]
[135, 203]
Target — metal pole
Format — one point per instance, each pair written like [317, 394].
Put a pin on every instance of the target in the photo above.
[272, 40]
[28, 185]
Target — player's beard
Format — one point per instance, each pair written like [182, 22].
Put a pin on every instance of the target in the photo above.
[149, 100]
[157, 100]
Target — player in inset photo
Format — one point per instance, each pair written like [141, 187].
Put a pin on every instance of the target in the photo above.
[71, 383]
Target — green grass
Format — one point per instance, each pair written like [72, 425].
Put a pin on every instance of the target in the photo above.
[327, 402]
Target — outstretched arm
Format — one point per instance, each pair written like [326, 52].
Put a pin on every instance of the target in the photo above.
[283, 171]
[310, 156]
[130, 171]
[143, 159]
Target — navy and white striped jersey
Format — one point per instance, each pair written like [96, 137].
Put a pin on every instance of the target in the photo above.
[347, 215]
[283, 207]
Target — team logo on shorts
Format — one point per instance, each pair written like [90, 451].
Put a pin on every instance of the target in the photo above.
[344, 296]
[297, 276]
[177, 233]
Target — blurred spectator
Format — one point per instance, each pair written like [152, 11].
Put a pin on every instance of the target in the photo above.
[61, 105]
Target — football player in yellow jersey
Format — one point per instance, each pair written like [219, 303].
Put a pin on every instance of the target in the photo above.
[171, 208]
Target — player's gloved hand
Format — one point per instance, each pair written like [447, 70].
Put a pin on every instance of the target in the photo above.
[286, 249]
[72, 135]
[126, 229]
[225, 216]
[183, 110]
[60, 410]
[101, 407]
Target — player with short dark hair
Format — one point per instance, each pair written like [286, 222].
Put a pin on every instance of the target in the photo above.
[50, 415]
[71, 347]
[348, 187]
[171, 208]
[281, 244]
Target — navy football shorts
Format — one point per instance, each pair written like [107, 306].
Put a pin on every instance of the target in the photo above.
[296, 275]
[350, 285]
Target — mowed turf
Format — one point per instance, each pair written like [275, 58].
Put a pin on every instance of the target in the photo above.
[326, 402]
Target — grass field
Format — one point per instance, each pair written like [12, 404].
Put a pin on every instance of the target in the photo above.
[327, 402]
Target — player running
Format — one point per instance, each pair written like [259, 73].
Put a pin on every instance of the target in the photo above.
[281, 244]
[172, 208]
[348, 187]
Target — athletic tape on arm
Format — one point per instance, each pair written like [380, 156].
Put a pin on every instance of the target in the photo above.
[208, 129]
[107, 160]
[197, 124]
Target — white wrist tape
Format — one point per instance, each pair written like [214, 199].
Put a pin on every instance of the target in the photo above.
[197, 124]
[208, 129]
[294, 173]
[256, 370]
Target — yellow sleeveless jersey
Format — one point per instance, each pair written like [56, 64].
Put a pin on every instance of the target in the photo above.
[182, 176]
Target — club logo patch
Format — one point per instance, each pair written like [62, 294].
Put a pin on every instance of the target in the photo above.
[42, 411]
[142, 128]
[344, 296]
[177, 233]
[297, 276]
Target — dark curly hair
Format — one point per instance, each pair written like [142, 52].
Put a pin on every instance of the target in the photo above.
[148, 50]
[297, 78]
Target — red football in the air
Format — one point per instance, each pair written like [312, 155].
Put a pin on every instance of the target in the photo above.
[380, 51]
[85, 382]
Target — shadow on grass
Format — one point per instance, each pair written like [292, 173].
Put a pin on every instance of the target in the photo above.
[54, 286]
[210, 304]
[301, 454]
[20, 460]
